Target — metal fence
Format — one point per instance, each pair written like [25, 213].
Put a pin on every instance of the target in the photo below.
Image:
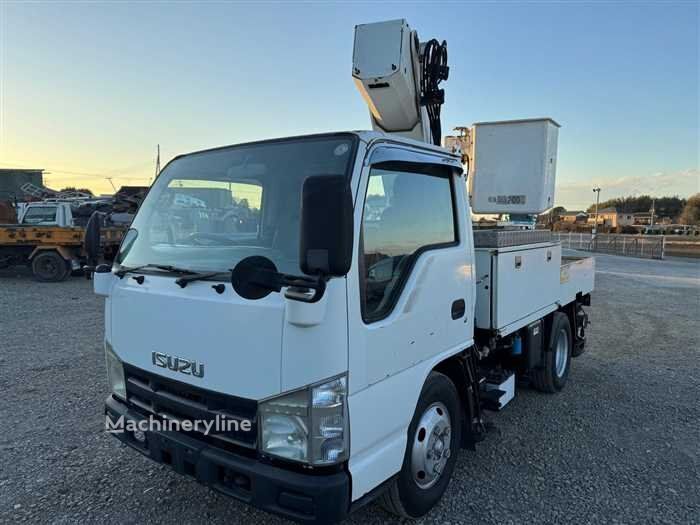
[651, 247]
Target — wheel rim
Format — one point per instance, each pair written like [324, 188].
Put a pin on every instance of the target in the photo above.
[562, 353]
[431, 446]
[48, 268]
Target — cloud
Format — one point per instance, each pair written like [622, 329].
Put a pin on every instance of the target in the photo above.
[579, 195]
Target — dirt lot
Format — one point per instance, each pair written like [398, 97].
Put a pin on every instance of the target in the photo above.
[619, 445]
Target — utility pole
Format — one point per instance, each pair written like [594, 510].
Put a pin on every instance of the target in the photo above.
[653, 206]
[596, 190]
[157, 162]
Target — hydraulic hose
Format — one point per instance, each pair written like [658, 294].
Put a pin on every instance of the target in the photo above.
[435, 70]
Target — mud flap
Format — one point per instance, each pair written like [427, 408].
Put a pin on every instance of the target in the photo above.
[580, 323]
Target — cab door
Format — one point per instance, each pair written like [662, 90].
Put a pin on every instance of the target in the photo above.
[411, 297]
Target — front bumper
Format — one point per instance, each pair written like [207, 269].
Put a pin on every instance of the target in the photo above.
[298, 496]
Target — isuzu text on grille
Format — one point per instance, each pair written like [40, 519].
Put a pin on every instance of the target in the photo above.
[177, 364]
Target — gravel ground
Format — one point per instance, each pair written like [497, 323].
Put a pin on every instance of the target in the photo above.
[620, 444]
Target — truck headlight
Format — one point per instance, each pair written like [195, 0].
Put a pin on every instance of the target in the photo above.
[115, 372]
[308, 425]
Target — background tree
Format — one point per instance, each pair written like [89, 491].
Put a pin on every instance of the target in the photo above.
[669, 207]
[691, 211]
[73, 188]
[663, 206]
[557, 211]
[551, 216]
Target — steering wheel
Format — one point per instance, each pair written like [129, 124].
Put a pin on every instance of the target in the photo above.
[197, 237]
[231, 222]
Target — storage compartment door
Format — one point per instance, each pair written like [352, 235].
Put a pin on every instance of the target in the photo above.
[526, 281]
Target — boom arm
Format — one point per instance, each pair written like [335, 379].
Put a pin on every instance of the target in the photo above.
[398, 78]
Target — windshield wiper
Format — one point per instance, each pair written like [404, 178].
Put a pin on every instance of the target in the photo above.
[186, 276]
[165, 267]
[182, 281]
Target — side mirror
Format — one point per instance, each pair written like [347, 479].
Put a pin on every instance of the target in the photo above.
[256, 277]
[103, 279]
[325, 243]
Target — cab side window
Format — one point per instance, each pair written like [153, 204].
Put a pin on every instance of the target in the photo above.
[409, 208]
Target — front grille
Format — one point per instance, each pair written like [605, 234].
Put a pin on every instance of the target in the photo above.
[171, 399]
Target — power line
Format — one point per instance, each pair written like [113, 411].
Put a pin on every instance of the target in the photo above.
[111, 173]
[157, 163]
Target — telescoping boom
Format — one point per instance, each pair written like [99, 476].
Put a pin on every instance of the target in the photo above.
[399, 77]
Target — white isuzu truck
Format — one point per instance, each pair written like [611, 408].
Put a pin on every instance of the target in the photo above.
[330, 298]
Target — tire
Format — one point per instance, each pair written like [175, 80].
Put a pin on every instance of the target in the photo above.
[415, 490]
[557, 360]
[49, 267]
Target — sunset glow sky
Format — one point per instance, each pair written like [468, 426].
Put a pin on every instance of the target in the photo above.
[87, 90]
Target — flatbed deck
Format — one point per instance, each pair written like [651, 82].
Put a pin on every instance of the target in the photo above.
[51, 251]
[20, 234]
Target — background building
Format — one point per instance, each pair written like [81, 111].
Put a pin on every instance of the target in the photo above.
[611, 217]
[574, 216]
[12, 179]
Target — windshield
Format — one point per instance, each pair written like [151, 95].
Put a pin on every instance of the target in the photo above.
[207, 211]
[40, 214]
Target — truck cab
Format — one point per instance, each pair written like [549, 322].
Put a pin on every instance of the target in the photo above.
[378, 331]
[46, 214]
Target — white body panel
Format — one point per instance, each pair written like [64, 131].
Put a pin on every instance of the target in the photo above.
[391, 358]
[513, 166]
[313, 352]
[249, 348]
[522, 280]
[577, 275]
[239, 341]
[420, 323]
[379, 419]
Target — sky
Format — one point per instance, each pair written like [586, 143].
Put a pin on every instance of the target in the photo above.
[87, 90]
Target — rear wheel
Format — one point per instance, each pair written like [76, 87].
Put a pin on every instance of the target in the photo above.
[50, 267]
[431, 451]
[557, 362]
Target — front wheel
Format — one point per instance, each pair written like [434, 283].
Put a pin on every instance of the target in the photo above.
[431, 451]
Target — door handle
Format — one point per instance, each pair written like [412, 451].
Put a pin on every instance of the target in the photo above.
[482, 278]
[458, 308]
